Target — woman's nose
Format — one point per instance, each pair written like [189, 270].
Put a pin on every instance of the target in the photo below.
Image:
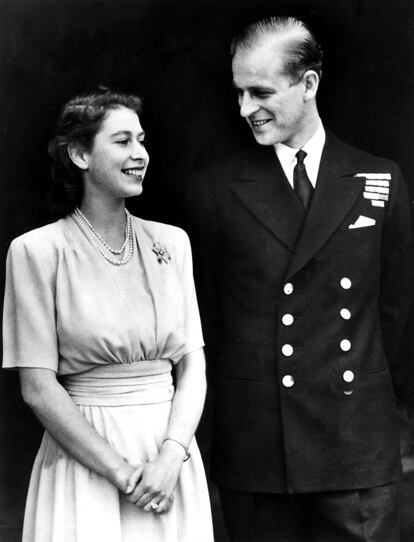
[139, 152]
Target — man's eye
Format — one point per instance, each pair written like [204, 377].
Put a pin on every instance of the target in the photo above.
[260, 94]
[142, 142]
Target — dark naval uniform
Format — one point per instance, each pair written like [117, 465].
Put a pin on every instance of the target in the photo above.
[303, 317]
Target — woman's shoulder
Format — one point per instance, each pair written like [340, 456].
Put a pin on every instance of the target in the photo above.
[161, 232]
[44, 240]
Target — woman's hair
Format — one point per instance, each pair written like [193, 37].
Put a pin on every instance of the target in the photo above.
[78, 123]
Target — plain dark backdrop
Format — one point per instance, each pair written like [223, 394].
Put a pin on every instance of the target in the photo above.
[175, 54]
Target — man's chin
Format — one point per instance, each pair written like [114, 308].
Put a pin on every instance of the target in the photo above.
[264, 139]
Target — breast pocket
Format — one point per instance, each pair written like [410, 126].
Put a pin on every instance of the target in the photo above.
[356, 233]
[362, 221]
[360, 245]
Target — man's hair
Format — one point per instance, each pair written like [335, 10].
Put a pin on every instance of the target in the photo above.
[301, 50]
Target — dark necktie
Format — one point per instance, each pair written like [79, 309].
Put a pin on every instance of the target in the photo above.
[301, 182]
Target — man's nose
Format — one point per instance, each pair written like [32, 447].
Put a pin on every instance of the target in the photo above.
[247, 105]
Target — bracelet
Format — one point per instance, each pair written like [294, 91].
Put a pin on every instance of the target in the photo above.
[187, 453]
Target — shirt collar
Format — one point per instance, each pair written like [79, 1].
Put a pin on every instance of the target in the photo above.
[313, 147]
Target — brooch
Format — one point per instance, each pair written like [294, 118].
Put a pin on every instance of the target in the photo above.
[161, 253]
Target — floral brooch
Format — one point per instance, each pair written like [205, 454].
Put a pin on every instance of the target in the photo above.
[161, 253]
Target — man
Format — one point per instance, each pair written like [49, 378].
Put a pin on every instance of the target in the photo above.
[304, 277]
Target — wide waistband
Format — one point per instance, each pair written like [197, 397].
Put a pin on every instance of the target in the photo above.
[138, 383]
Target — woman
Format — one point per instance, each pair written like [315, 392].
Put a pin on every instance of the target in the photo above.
[99, 307]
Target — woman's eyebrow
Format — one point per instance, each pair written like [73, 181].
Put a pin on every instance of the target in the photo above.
[126, 132]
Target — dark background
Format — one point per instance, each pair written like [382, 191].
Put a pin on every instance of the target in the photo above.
[175, 54]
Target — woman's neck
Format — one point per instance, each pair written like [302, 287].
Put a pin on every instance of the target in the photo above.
[107, 218]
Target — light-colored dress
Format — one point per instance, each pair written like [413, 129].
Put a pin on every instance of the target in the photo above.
[112, 334]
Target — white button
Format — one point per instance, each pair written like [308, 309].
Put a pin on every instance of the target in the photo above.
[346, 314]
[348, 376]
[288, 288]
[287, 350]
[346, 283]
[345, 345]
[287, 319]
[288, 381]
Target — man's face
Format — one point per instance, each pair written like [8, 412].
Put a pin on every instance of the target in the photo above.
[273, 107]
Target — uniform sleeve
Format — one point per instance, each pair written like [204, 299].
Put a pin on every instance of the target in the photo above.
[397, 272]
[29, 320]
[192, 331]
[203, 222]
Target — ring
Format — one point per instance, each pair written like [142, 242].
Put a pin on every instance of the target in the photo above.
[154, 505]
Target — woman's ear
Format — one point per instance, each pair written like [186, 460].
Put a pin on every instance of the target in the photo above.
[78, 156]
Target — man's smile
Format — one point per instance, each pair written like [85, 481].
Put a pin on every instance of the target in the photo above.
[259, 123]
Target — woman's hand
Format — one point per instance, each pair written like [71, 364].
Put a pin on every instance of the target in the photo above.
[63, 420]
[158, 478]
[127, 477]
[155, 489]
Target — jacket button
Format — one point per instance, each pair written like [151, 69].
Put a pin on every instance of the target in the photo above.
[288, 288]
[348, 376]
[346, 283]
[288, 381]
[287, 319]
[287, 350]
[345, 345]
[345, 314]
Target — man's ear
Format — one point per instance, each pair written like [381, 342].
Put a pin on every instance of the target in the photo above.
[311, 80]
[78, 156]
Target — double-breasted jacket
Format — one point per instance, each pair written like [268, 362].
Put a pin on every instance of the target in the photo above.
[303, 314]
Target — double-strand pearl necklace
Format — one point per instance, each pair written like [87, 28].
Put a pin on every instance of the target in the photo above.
[128, 241]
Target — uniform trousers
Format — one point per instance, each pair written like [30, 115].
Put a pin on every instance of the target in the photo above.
[362, 515]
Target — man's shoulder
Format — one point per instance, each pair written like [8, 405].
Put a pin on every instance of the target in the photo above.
[233, 165]
[231, 161]
[359, 159]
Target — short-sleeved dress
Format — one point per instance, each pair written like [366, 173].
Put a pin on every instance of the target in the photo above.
[112, 334]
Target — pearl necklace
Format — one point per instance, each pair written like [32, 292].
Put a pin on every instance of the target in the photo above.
[129, 239]
[79, 213]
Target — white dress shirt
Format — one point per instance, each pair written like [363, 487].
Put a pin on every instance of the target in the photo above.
[313, 148]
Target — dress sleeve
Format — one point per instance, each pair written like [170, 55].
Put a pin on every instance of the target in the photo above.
[193, 335]
[29, 318]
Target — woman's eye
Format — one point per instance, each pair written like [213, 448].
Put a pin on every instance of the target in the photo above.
[123, 141]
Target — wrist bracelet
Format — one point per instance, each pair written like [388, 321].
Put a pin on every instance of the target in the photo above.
[187, 453]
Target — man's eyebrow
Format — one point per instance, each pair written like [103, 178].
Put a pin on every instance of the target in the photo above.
[254, 88]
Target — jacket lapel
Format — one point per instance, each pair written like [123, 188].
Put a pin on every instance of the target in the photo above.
[266, 192]
[335, 194]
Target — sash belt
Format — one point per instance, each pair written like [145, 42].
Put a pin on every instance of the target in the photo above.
[138, 383]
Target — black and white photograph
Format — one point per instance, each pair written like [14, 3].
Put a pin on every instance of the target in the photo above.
[207, 270]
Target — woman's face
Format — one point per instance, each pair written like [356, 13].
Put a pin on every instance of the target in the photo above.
[116, 164]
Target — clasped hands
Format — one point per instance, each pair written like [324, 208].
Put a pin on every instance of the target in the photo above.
[151, 485]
